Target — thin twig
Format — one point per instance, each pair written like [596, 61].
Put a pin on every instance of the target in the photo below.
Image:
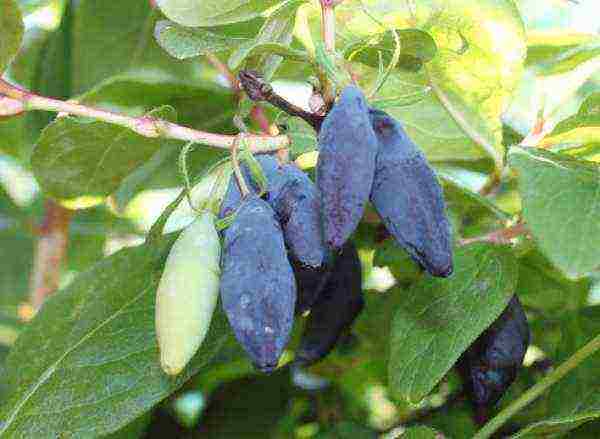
[224, 70]
[50, 253]
[502, 236]
[145, 126]
[258, 90]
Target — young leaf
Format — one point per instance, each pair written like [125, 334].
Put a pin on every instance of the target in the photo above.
[184, 42]
[441, 318]
[74, 157]
[11, 31]
[205, 13]
[560, 198]
[88, 363]
[273, 40]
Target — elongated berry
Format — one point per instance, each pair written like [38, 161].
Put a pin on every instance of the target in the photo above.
[346, 165]
[335, 309]
[409, 199]
[491, 363]
[187, 293]
[258, 289]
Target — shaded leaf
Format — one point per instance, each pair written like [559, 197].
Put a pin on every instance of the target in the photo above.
[213, 12]
[477, 214]
[88, 363]
[440, 318]
[417, 47]
[184, 42]
[543, 287]
[75, 157]
[561, 196]
[575, 399]
[11, 31]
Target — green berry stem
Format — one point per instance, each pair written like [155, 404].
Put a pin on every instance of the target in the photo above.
[236, 168]
[144, 126]
[534, 392]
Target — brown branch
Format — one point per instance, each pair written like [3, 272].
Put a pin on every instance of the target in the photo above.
[258, 90]
[144, 126]
[50, 253]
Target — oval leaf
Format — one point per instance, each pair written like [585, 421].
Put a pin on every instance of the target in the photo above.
[561, 196]
[440, 318]
[74, 157]
[89, 363]
[183, 42]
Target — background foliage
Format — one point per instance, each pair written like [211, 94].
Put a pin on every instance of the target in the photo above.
[503, 97]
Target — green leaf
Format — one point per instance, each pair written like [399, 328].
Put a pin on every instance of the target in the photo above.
[184, 42]
[302, 135]
[213, 12]
[274, 36]
[417, 47]
[545, 46]
[560, 198]
[96, 57]
[544, 288]
[76, 157]
[575, 399]
[558, 54]
[477, 214]
[578, 135]
[474, 73]
[420, 433]
[390, 254]
[88, 363]
[11, 32]
[440, 318]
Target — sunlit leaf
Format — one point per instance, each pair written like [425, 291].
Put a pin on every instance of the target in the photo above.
[560, 198]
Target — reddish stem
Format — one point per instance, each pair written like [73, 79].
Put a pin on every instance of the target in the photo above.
[50, 253]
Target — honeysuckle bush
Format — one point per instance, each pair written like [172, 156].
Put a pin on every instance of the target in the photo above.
[503, 98]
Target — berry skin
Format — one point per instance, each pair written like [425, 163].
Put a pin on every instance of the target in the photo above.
[336, 308]
[409, 199]
[187, 293]
[258, 289]
[346, 166]
[491, 363]
[295, 200]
